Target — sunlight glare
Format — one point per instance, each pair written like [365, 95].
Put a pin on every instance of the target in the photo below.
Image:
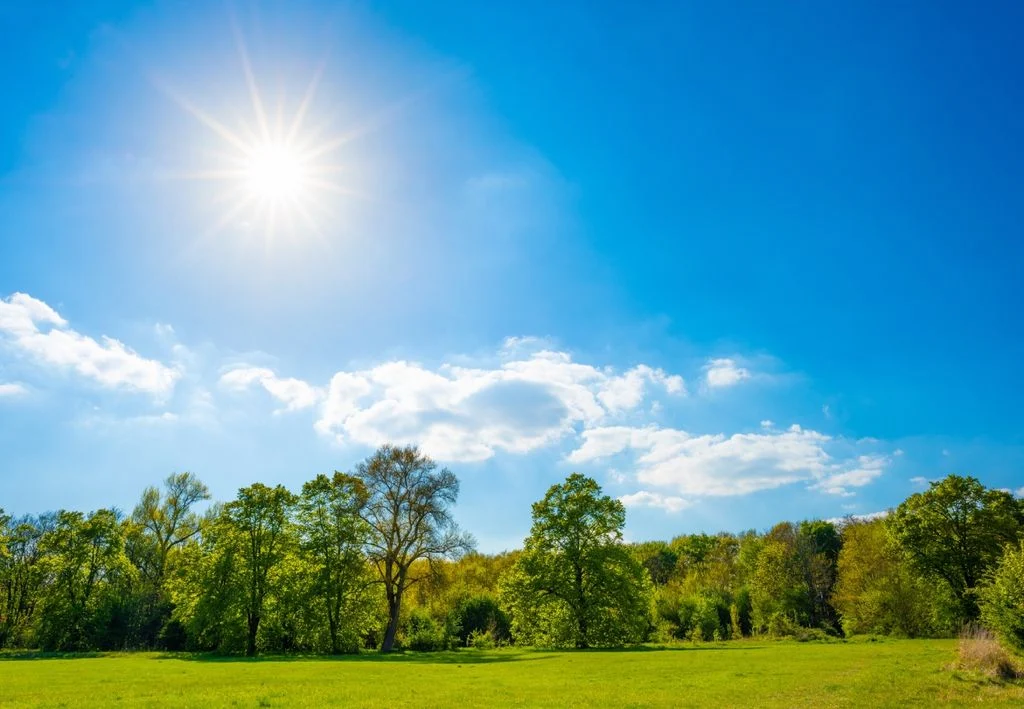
[274, 172]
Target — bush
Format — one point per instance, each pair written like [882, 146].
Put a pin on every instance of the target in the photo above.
[481, 614]
[979, 651]
[1002, 599]
[422, 633]
[707, 615]
[481, 640]
[780, 626]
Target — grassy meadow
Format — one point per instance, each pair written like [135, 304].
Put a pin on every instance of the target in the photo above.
[783, 674]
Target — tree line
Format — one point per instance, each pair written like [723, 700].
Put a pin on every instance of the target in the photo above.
[375, 559]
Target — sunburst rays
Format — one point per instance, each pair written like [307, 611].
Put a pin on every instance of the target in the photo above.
[275, 173]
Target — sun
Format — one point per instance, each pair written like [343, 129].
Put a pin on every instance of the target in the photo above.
[278, 175]
[276, 172]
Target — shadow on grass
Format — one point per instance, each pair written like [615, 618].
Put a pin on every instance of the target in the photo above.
[699, 647]
[467, 657]
[42, 655]
[461, 657]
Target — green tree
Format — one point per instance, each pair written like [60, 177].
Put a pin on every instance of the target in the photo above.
[20, 576]
[576, 582]
[877, 589]
[408, 509]
[1002, 598]
[333, 535]
[159, 526]
[83, 561]
[207, 590]
[777, 587]
[168, 520]
[659, 560]
[818, 546]
[954, 532]
[260, 518]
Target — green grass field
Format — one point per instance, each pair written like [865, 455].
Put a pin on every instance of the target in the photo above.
[856, 674]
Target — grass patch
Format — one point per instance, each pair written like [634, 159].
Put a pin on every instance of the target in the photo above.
[979, 651]
[772, 674]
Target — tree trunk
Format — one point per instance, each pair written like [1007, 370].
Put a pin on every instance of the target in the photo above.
[254, 626]
[581, 611]
[332, 624]
[394, 605]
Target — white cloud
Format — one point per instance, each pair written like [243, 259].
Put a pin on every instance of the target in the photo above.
[866, 517]
[729, 465]
[469, 413]
[767, 423]
[919, 481]
[525, 344]
[724, 372]
[33, 328]
[644, 498]
[12, 389]
[295, 394]
[1019, 492]
[863, 471]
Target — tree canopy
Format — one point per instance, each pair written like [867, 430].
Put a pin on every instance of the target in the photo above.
[954, 531]
[408, 510]
[576, 583]
[375, 559]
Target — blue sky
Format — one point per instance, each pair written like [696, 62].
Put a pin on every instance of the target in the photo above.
[740, 264]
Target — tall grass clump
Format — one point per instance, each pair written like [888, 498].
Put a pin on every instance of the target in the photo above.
[980, 651]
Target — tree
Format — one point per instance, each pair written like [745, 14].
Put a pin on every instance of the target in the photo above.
[83, 560]
[260, 517]
[955, 531]
[818, 546]
[1002, 598]
[168, 520]
[20, 576]
[659, 560]
[576, 583]
[333, 535]
[408, 510]
[877, 590]
[777, 587]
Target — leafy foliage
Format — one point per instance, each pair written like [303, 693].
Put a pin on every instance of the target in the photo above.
[954, 531]
[1002, 598]
[408, 510]
[576, 583]
[375, 559]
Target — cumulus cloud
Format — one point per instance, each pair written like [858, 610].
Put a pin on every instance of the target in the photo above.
[1019, 492]
[724, 372]
[644, 498]
[462, 413]
[295, 394]
[34, 329]
[864, 470]
[739, 464]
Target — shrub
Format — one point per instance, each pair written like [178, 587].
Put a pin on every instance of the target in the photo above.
[781, 626]
[979, 651]
[707, 618]
[1002, 599]
[481, 640]
[422, 633]
[481, 614]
